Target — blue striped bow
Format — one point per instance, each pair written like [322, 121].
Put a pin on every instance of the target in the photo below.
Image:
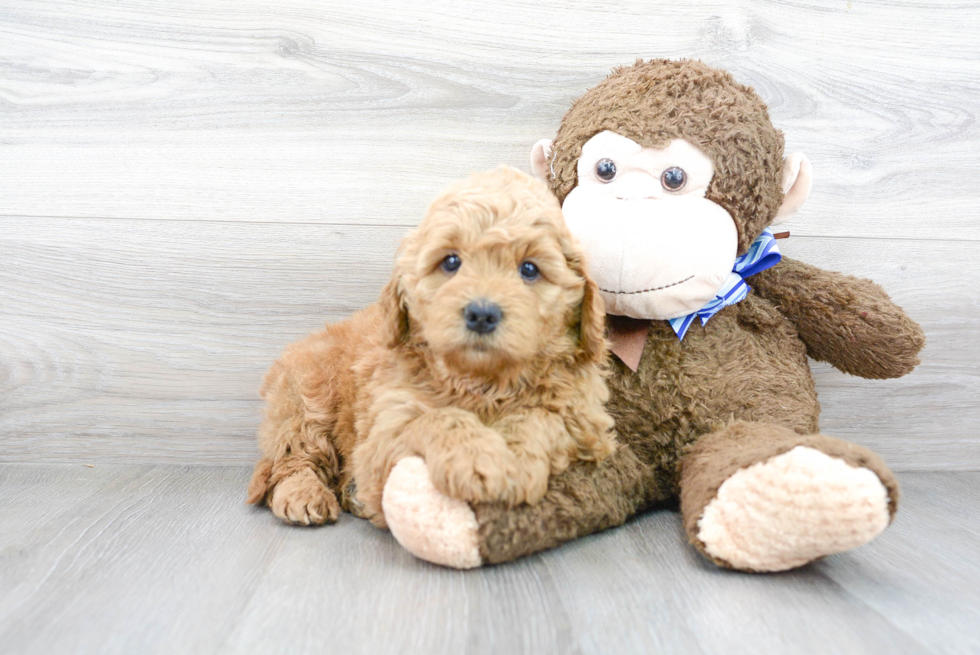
[762, 254]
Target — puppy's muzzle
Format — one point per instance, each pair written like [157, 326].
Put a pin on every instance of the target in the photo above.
[482, 316]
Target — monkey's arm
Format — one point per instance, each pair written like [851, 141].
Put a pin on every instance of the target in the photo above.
[848, 322]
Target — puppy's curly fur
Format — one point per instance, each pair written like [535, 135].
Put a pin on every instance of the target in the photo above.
[493, 414]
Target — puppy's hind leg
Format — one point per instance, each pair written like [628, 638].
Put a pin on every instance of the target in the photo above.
[302, 498]
[300, 467]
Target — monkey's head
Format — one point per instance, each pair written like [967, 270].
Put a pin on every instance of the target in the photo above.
[667, 171]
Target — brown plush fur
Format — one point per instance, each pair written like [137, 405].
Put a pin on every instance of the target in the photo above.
[493, 415]
[866, 334]
[737, 390]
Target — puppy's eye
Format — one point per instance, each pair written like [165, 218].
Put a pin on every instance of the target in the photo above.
[529, 271]
[451, 263]
[605, 170]
[673, 178]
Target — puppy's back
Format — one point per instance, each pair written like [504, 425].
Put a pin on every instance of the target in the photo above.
[315, 385]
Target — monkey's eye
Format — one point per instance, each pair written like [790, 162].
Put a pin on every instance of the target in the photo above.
[529, 271]
[605, 169]
[673, 178]
[451, 263]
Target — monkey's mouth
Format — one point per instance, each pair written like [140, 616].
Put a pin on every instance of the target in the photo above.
[634, 293]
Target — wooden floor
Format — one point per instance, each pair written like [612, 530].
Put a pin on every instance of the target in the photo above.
[168, 559]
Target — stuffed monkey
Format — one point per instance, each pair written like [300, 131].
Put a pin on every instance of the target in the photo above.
[670, 173]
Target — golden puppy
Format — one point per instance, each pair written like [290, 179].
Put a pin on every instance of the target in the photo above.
[484, 356]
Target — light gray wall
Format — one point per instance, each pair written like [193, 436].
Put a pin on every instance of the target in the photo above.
[186, 187]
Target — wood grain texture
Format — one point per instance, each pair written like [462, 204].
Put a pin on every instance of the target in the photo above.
[168, 559]
[146, 341]
[359, 112]
[186, 188]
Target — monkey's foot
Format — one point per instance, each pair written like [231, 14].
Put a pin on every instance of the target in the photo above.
[792, 509]
[427, 523]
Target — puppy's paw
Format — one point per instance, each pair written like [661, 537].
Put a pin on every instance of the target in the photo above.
[532, 482]
[302, 499]
[481, 470]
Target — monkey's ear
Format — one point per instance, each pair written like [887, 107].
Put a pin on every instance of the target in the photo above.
[539, 159]
[396, 323]
[797, 180]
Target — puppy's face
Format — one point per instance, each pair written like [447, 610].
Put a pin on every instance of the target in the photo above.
[491, 279]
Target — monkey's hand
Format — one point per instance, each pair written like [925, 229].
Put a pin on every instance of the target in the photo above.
[845, 321]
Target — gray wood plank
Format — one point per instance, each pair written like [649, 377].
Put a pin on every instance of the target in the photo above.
[358, 113]
[158, 560]
[167, 559]
[642, 589]
[146, 341]
[383, 600]
[927, 566]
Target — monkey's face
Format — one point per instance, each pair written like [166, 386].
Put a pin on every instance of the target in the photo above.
[657, 248]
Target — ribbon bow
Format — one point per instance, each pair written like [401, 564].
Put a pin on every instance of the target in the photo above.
[762, 254]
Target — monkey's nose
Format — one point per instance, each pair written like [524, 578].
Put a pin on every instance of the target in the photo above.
[482, 316]
[636, 186]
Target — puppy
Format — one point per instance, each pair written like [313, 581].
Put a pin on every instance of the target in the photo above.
[485, 356]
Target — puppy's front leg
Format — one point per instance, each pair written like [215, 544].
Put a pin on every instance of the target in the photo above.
[542, 445]
[467, 460]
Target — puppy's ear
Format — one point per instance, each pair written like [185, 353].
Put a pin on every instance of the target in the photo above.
[592, 324]
[592, 315]
[392, 301]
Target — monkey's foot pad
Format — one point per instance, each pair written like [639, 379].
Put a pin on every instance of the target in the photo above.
[792, 509]
[427, 523]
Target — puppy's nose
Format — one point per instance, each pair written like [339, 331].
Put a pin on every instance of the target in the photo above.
[482, 316]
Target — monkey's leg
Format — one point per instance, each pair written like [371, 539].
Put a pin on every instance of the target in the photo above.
[585, 498]
[760, 497]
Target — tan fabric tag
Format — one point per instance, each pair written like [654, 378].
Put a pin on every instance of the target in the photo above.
[627, 336]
